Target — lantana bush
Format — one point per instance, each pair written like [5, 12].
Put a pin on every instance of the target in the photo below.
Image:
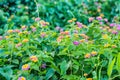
[75, 52]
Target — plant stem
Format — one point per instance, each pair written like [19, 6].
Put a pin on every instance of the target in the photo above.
[114, 77]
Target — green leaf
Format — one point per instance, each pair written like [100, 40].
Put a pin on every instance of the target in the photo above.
[35, 67]
[110, 67]
[15, 61]
[64, 66]
[49, 74]
[6, 72]
[118, 63]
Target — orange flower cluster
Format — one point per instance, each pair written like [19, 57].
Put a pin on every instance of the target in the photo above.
[59, 39]
[72, 20]
[65, 33]
[34, 58]
[43, 23]
[21, 78]
[89, 79]
[25, 40]
[88, 55]
[19, 44]
[84, 36]
[25, 67]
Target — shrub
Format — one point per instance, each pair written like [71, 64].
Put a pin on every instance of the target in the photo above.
[80, 51]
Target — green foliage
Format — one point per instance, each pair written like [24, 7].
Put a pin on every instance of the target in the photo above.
[84, 47]
[57, 12]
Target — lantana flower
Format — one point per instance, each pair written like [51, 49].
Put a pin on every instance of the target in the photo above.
[25, 40]
[21, 78]
[34, 58]
[25, 67]
[89, 79]
[88, 55]
[93, 53]
[76, 42]
[105, 36]
[10, 31]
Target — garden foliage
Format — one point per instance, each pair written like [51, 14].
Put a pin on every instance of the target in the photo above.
[59, 40]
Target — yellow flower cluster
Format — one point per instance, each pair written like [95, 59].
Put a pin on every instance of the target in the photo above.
[25, 40]
[72, 20]
[25, 67]
[34, 58]
[88, 55]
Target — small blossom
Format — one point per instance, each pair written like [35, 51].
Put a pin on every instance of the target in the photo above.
[118, 27]
[112, 24]
[43, 66]
[109, 30]
[23, 27]
[25, 67]
[82, 40]
[33, 28]
[91, 19]
[105, 36]
[100, 23]
[10, 31]
[21, 78]
[76, 35]
[37, 19]
[85, 74]
[99, 18]
[93, 53]
[106, 45]
[106, 20]
[70, 21]
[114, 32]
[65, 33]
[74, 19]
[102, 15]
[57, 28]
[114, 46]
[84, 36]
[25, 40]
[89, 79]
[34, 58]
[76, 43]
[87, 55]
[1, 37]
[61, 30]
[43, 23]
[17, 30]
[99, 10]
[43, 34]
[18, 45]
[79, 24]
[59, 39]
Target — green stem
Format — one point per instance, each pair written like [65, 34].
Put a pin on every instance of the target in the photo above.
[37, 10]
[114, 77]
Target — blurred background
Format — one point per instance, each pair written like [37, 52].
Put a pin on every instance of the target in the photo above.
[14, 13]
